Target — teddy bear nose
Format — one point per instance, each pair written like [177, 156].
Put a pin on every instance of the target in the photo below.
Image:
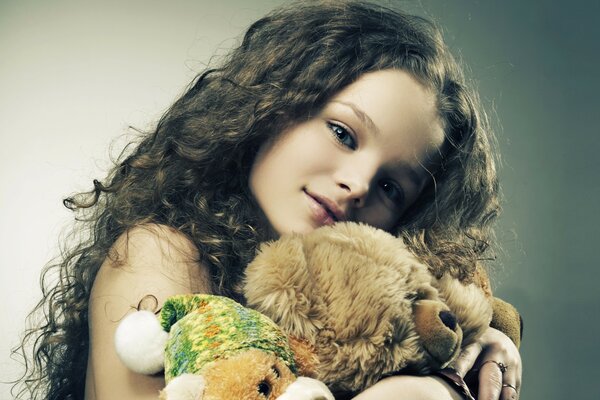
[448, 319]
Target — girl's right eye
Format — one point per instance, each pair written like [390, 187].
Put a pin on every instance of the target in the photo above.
[392, 191]
[342, 135]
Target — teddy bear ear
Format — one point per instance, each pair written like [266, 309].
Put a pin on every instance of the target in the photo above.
[184, 387]
[140, 342]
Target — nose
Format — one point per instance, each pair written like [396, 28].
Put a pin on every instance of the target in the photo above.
[355, 183]
[355, 194]
[448, 319]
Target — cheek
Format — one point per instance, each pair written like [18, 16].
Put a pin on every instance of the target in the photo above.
[379, 216]
[413, 196]
[298, 153]
[304, 151]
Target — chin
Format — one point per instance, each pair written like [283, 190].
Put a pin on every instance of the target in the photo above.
[293, 228]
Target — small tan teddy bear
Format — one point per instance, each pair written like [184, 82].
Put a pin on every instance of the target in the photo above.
[213, 348]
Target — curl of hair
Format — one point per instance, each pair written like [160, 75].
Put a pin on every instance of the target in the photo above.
[191, 172]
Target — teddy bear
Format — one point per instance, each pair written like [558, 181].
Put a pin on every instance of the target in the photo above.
[340, 307]
[213, 348]
[361, 306]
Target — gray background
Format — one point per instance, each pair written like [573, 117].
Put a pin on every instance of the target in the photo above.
[73, 76]
[537, 67]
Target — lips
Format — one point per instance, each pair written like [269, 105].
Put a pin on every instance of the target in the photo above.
[325, 210]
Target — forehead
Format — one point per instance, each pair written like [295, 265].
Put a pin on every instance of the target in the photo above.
[397, 111]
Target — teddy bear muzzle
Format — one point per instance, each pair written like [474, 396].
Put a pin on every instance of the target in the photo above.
[438, 330]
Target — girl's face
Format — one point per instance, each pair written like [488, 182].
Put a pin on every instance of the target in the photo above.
[364, 158]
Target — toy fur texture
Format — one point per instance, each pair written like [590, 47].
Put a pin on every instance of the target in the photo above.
[364, 306]
[352, 303]
[212, 348]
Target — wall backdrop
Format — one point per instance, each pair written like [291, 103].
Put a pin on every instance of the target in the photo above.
[74, 75]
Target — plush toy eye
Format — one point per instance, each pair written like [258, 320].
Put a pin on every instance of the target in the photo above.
[276, 371]
[264, 388]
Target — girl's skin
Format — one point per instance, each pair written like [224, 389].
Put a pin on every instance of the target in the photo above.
[365, 157]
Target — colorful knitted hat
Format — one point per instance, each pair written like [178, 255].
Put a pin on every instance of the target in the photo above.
[206, 328]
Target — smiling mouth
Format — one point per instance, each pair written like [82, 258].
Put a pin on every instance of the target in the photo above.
[330, 213]
[322, 213]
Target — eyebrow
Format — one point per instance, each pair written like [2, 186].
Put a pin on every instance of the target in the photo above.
[364, 117]
[361, 115]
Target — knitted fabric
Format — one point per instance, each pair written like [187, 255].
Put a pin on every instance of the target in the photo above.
[206, 328]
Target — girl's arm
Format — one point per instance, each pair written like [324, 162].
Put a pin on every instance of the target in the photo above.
[410, 387]
[150, 260]
[480, 358]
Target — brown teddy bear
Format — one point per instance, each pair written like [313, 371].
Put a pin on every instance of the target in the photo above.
[351, 305]
[358, 305]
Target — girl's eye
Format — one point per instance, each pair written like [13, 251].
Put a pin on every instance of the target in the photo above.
[342, 135]
[392, 191]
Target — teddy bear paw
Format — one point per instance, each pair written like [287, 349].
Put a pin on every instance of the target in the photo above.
[184, 387]
[305, 388]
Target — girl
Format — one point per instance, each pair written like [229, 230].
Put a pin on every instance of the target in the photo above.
[326, 112]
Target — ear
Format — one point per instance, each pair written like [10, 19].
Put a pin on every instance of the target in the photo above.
[184, 387]
[140, 342]
[304, 355]
[507, 320]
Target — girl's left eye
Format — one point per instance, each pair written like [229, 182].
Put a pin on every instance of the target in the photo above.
[392, 191]
[342, 135]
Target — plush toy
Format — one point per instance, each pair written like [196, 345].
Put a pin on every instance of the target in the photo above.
[363, 305]
[212, 348]
[351, 304]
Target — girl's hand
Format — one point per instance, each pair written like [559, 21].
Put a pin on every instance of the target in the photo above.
[494, 363]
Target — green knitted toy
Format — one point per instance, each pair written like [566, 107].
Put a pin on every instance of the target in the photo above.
[210, 348]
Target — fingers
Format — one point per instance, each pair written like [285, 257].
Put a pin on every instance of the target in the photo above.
[499, 381]
[497, 385]
[491, 367]
[490, 381]
[511, 382]
[467, 358]
[509, 392]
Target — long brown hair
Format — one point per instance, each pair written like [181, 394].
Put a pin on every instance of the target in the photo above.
[191, 171]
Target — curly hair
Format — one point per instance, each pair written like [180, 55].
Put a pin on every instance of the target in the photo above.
[191, 172]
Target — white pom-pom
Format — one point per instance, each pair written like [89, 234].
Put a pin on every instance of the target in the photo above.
[305, 388]
[140, 342]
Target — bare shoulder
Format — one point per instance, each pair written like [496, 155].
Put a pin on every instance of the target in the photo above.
[157, 259]
[151, 263]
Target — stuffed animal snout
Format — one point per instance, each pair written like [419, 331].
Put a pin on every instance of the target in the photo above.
[438, 329]
[251, 375]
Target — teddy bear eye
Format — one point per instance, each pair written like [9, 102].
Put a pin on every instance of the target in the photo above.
[276, 371]
[264, 388]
